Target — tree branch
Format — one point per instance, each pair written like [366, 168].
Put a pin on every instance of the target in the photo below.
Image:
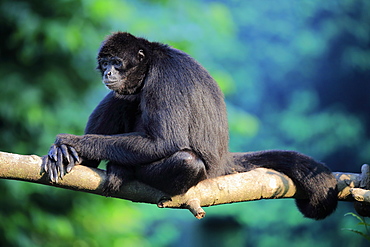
[257, 184]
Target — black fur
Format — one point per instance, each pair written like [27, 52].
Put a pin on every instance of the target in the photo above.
[164, 123]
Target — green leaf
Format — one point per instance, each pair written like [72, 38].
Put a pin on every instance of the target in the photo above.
[356, 216]
[358, 232]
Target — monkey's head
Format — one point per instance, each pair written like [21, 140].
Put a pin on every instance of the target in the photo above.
[123, 62]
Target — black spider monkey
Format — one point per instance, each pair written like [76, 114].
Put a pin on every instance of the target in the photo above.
[164, 123]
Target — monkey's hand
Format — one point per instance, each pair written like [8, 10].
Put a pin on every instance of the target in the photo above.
[62, 157]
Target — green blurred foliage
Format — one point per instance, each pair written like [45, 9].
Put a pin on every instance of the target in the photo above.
[295, 75]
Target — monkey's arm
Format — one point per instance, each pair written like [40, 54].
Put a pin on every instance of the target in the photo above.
[129, 149]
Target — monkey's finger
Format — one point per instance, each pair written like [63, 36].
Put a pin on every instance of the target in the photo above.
[53, 174]
[53, 152]
[44, 167]
[74, 154]
[65, 152]
[50, 166]
[59, 165]
[71, 164]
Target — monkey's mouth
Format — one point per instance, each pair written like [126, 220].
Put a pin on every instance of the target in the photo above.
[111, 84]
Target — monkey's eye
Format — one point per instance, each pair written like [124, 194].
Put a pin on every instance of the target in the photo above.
[104, 64]
[117, 63]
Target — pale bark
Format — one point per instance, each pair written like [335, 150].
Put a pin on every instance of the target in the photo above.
[257, 184]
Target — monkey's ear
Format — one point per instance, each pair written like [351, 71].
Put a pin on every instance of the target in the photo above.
[140, 55]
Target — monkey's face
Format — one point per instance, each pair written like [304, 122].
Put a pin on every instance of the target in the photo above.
[113, 72]
[123, 62]
[123, 74]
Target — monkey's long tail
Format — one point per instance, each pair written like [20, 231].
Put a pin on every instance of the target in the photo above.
[313, 178]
